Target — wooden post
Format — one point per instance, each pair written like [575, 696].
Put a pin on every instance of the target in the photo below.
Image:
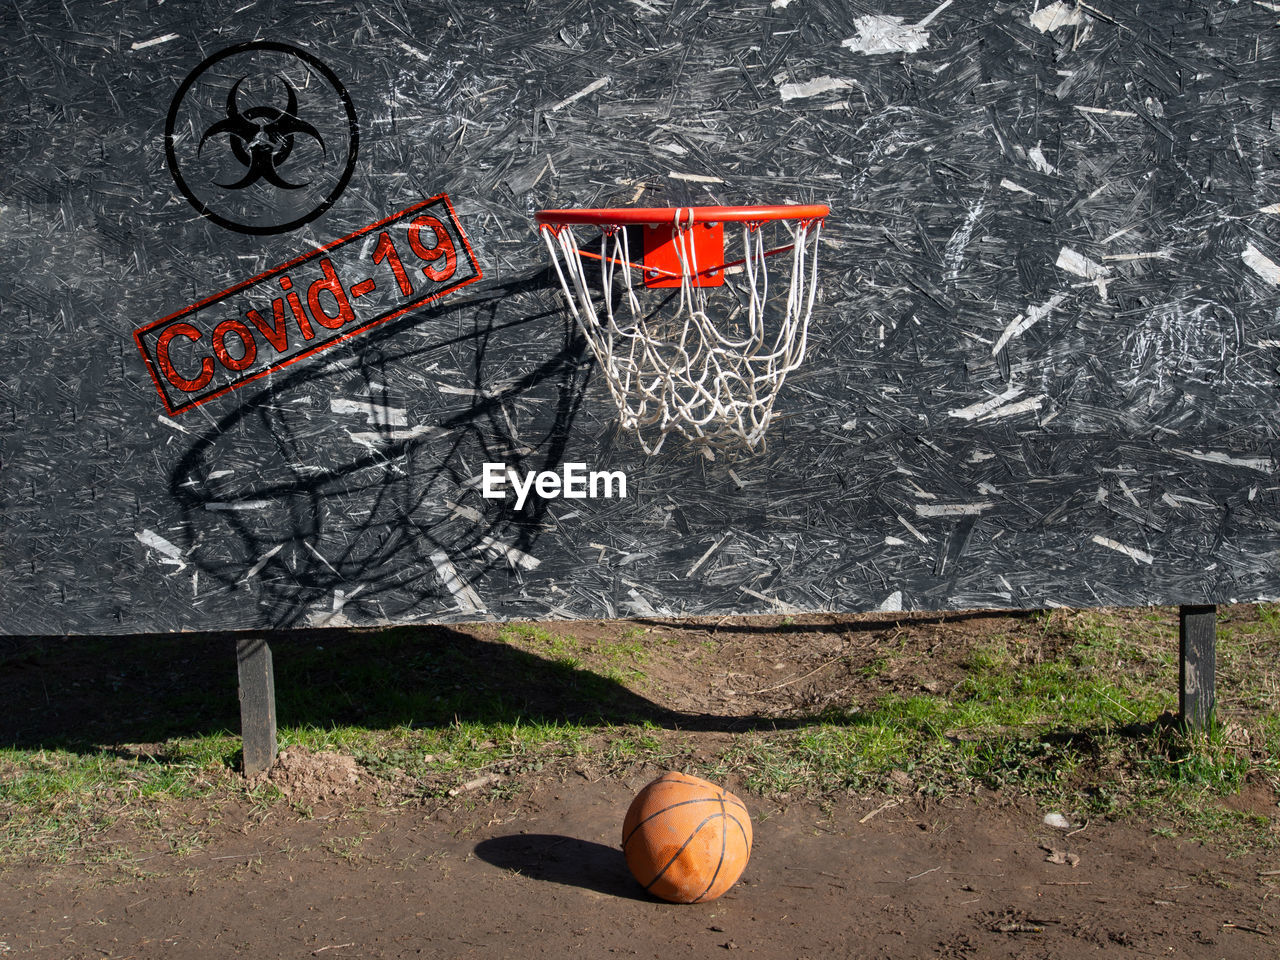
[257, 704]
[1197, 664]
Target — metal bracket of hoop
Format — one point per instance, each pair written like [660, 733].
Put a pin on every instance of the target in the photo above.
[709, 373]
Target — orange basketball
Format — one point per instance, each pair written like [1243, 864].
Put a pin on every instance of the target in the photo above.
[685, 839]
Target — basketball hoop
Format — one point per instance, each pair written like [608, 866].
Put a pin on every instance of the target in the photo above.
[712, 371]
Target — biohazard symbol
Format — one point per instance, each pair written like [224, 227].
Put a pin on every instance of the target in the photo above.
[261, 138]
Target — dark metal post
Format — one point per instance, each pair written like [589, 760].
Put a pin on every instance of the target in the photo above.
[257, 704]
[1197, 664]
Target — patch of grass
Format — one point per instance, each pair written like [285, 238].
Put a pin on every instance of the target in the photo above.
[621, 660]
[590, 667]
[218, 749]
[435, 754]
[1088, 730]
[536, 636]
[54, 802]
[1204, 761]
[874, 668]
[345, 847]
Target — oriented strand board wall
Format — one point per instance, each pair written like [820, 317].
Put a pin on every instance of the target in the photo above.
[1042, 368]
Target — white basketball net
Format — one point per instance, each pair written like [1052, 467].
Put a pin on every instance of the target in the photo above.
[713, 370]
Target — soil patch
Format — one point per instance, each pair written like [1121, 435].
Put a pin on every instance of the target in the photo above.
[304, 777]
[541, 875]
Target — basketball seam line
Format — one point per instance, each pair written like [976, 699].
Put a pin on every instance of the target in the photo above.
[676, 856]
[676, 776]
[712, 882]
[658, 813]
[745, 839]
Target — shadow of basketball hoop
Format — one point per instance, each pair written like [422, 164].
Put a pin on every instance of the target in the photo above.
[568, 861]
[346, 493]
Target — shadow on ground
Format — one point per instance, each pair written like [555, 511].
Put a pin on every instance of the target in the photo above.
[564, 860]
[83, 694]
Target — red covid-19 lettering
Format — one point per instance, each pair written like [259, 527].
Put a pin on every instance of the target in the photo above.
[312, 302]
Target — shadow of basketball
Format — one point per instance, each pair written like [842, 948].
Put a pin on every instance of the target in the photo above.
[564, 860]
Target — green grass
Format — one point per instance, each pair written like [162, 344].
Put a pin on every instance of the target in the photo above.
[1070, 709]
[54, 803]
[1088, 731]
[438, 756]
[615, 661]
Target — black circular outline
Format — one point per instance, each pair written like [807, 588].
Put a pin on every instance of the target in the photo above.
[172, 159]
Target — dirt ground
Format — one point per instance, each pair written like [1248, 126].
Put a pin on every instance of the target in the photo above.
[534, 869]
[544, 877]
